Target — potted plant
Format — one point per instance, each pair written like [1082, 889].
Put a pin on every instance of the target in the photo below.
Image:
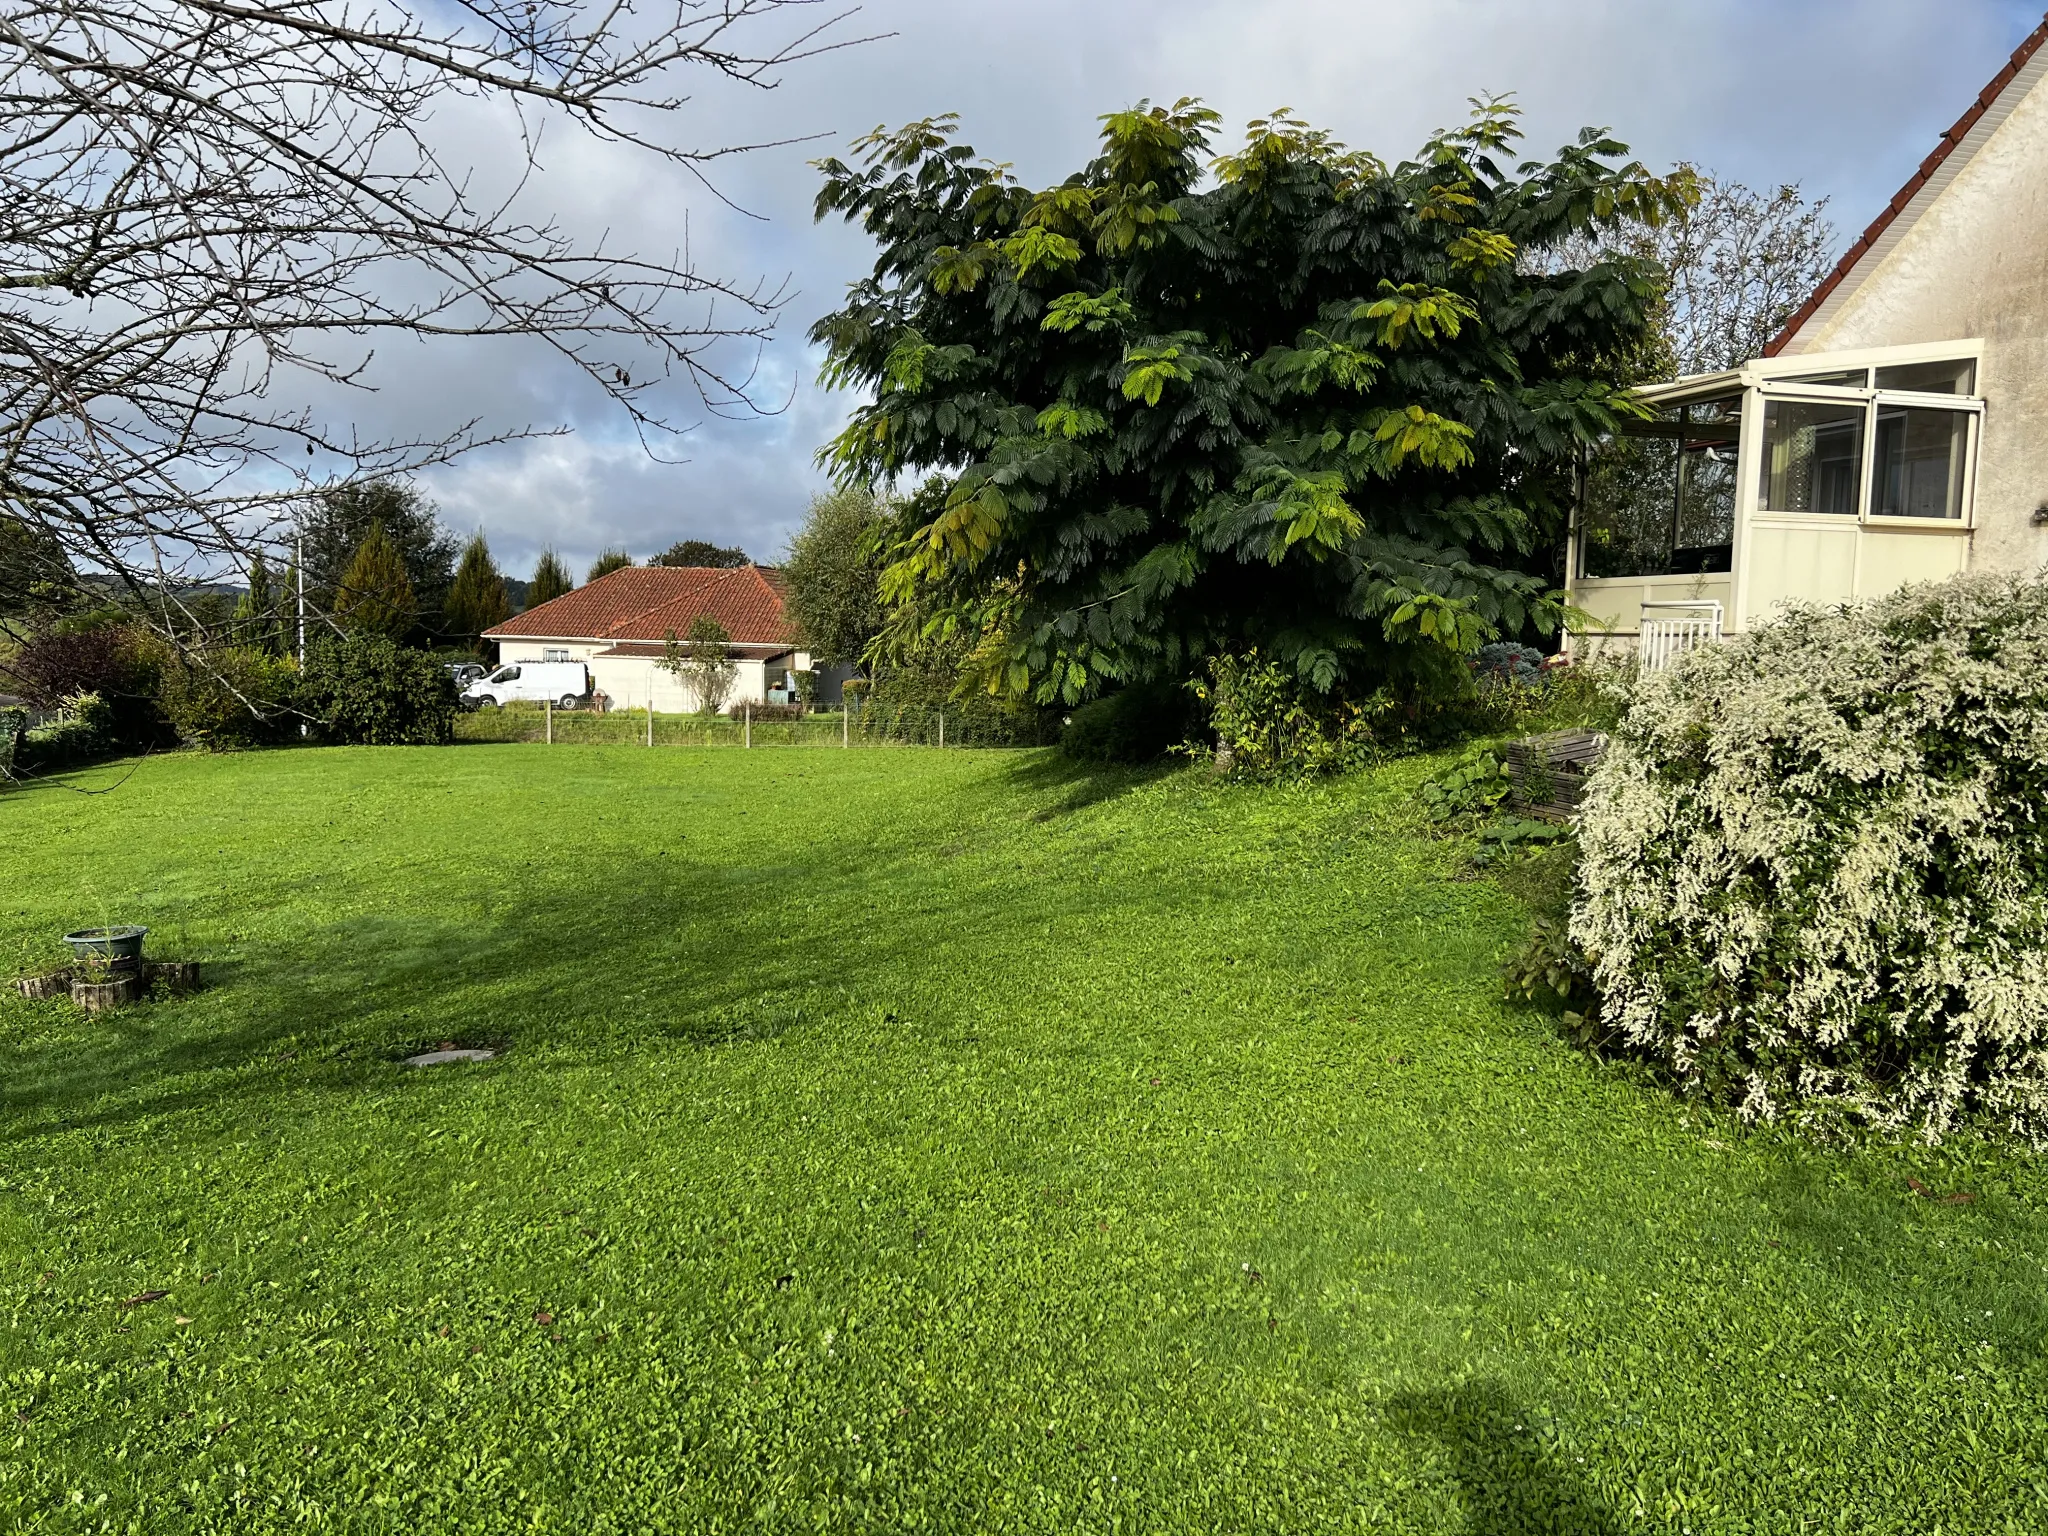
[118, 948]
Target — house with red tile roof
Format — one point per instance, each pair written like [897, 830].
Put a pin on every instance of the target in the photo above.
[1896, 429]
[619, 625]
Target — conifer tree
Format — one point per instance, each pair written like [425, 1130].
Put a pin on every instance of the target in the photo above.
[256, 617]
[376, 596]
[477, 599]
[611, 560]
[550, 580]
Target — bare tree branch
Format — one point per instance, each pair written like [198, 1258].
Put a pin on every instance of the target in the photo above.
[205, 203]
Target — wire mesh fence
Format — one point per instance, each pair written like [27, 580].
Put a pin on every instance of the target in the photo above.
[872, 726]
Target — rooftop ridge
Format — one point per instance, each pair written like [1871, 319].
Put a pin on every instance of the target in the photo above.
[1944, 147]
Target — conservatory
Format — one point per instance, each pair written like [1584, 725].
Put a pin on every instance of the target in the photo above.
[1817, 477]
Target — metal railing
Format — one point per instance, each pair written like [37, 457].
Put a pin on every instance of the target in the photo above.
[1669, 630]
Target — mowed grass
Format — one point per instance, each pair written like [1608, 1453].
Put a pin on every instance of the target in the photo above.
[917, 1141]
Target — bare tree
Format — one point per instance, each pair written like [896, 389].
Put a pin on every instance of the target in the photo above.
[209, 206]
[1735, 265]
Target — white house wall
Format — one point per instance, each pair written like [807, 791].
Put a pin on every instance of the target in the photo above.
[1975, 263]
[629, 681]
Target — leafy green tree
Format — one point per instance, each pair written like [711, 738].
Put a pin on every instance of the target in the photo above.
[700, 552]
[476, 599]
[550, 580]
[832, 574]
[1321, 406]
[35, 574]
[611, 560]
[703, 662]
[375, 594]
[338, 521]
[258, 622]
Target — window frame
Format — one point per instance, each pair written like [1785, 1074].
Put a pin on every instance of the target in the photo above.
[1970, 406]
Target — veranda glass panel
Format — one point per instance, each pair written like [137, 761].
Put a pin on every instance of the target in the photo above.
[1705, 538]
[1845, 378]
[1954, 378]
[1919, 456]
[1812, 458]
[1630, 507]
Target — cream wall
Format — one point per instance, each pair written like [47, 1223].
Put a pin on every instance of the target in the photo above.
[1975, 263]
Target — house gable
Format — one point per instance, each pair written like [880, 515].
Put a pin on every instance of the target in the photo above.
[1962, 252]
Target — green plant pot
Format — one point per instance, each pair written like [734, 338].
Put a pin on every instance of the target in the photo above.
[119, 947]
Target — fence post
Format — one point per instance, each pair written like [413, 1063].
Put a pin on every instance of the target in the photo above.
[845, 720]
[942, 727]
[650, 719]
[549, 706]
[750, 726]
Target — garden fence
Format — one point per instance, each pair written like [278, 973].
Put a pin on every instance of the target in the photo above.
[872, 726]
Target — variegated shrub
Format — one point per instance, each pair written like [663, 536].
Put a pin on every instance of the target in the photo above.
[1815, 874]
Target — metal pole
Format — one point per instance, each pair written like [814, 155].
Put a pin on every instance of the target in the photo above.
[750, 727]
[845, 719]
[299, 564]
[650, 719]
[942, 727]
[549, 706]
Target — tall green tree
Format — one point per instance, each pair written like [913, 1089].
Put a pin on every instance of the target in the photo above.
[476, 599]
[832, 574]
[337, 522]
[701, 552]
[550, 580]
[611, 560]
[1319, 404]
[375, 595]
[258, 622]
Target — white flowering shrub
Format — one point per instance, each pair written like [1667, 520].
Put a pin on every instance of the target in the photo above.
[1815, 863]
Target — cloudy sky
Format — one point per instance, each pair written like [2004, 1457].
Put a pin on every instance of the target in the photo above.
[1842, 96]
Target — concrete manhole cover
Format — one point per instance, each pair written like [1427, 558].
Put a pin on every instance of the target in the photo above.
[447, 1054]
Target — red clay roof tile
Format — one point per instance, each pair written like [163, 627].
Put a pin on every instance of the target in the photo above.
[645, 602]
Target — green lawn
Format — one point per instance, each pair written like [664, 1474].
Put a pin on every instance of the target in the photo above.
[910, 1141]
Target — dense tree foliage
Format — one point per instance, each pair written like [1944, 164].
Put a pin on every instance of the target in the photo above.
[551, 579]
[338, 521]
[35, 573]
[689, 553]
[375, 595]
[611, 560]
[832, 574]
[476, 598]
[1318, 405]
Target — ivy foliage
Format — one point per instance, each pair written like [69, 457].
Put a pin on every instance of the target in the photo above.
[1291, 399]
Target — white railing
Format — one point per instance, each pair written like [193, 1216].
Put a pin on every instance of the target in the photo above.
[1669, 630]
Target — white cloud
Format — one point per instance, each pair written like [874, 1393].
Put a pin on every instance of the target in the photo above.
[1845, 96]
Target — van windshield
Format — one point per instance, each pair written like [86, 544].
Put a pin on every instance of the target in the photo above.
[505, 675]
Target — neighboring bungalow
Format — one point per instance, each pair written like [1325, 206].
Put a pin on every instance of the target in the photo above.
[1896, 430]
[620, 623]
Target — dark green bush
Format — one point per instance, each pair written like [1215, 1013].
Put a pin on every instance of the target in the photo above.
[84, 728]
[1134, 725]
[366, 690]
[232, 697]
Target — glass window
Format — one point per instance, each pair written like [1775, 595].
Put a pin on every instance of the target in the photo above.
[554, 655]
[1705, 536]
[505, 675]
[1953, 378]
[1660, 499]
[1919, 453]
[1846, 378]
[1812, 458]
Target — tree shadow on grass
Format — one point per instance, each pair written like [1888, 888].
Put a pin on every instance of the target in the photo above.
[1508, 1478]
[1078, 785]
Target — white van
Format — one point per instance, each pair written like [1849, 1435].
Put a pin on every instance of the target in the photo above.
[566, 683]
